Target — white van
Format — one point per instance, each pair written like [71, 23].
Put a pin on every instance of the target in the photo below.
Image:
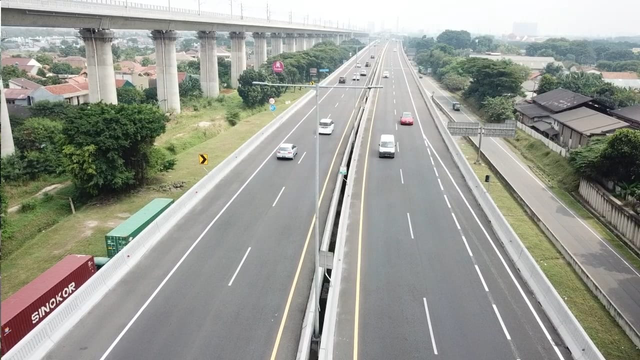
[387, 146]
[326, 126]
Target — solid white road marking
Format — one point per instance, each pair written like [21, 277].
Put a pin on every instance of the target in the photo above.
[504, 328]
[275, 202]
[484, 284]
[302, 157]
[454, 219]
[433, 339]
[173, 270]
[410, 227]
[239, 266]
[401, 177]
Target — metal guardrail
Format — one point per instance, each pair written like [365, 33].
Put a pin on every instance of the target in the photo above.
[80, 5]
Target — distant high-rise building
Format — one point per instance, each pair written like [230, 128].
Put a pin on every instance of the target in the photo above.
[528, 29]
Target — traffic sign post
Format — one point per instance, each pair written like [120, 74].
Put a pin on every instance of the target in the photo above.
[203, 159]
[466, 128]
[272, 101]
[277, 67]
[272, 107]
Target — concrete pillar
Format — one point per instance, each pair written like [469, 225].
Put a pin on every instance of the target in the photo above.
[308, 39]
[276, 44]
[167, 70]
[337, 40]
[238, 56]
[209, 64]
[7, 136]
[300, 42]
[260, 50]
[102, 78]
[290, 43]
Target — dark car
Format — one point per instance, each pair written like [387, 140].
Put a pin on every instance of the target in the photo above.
[373, 56]
[367, 64]
[342, 80]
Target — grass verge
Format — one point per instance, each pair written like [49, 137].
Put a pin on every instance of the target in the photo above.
[18, 192]
[83, 233]
[560, 177]
[594, 318]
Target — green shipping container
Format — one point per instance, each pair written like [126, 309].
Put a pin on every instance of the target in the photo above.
[119, 237]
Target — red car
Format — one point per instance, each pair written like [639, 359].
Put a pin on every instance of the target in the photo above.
[406, 118]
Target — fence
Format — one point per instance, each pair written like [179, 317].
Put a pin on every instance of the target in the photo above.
[622, 220]
[550, 144]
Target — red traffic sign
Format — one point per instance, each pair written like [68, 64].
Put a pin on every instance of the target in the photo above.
[277, 67]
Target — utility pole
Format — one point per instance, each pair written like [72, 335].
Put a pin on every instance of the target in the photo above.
[290, 17]
[268, 14]
[231, 5]
[241, 12]
[318, 285]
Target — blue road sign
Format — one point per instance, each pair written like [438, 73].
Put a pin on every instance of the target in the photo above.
[272, 107]
[323, 70]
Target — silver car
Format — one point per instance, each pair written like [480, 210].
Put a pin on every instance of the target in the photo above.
[287, 151]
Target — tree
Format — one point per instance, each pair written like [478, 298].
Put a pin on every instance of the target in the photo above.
[116, 52]
[132, 40]
[553, 69]
[482, 44]
[129, 54]
[455, 82]
[586, 160]
[107, 148]
[498, 109]
[546, 52]
[190, 87]
[188, 44]
[458, 39]
[53, 110]
[65, 43]
[190, 67]
[41, 73]
[493, 78]
[130, 95]
[64, 68]
[150, 95]
[618, 55]
[12, 72]
[547, 83]
[39, 141]
[617, 158]
[252, 95]
[146, 61]
[44, 59]
[50, 80]
[224, 72]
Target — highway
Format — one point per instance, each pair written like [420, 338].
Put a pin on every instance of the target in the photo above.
[231, 280]
[424, 276]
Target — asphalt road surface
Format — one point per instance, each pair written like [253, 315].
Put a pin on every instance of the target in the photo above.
[424, 275]
[241, 293]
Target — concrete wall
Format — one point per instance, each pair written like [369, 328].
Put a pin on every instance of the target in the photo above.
[550, 144]
[623, 221]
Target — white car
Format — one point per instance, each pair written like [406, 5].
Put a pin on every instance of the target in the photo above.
[326, 126]
[385, 74]
[286, 151]
[363, 72]
[395, 50]
[356, 77]
[358, 65]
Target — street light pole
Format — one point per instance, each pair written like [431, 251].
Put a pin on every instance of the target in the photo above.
[318, 285]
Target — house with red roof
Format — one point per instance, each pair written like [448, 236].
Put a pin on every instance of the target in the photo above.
[74, 94]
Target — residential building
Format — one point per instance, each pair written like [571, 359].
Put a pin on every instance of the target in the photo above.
[20, 83]
[29, 65]
[622, 79]
[576, 127]
[630, 115]
[153, 81]
[75, 61]
[72, 93]
[18, 97]
[124, 83]
[532, 62]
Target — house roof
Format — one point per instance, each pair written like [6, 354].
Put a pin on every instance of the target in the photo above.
[630, 83]
[630, 113]
[122, 82]
[80, 79]
[589, 122]
[181, 76]
[13, 61]
[532, 110]
[17, 94]
[25, 84]
[619, 75]
[130, 65]
[67, 89]
[544, 127]
[560, 100]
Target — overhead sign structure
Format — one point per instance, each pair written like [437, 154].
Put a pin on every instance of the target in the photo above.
[313, 71]
[506, 129]
[272, 107]
[277, 67]
[203, 159]
[272, 101]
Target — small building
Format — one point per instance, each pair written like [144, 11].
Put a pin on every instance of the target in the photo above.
[576, 127]
[559, 100]
[20, 61]
[72, 93]
[532, 62]
[124, 83]
[18, 96]
[622, 79]
[20, 83]
[75, 61]
[630, 115]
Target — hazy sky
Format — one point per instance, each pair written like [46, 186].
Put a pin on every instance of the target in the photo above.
[554, 17]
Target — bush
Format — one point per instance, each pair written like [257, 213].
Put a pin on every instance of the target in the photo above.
[160, 160]
[29, 205]
[39, 141]
[498, 109]
[12, 168]
[151, 95]
[454, 82]
[233, 116]
[130, 95]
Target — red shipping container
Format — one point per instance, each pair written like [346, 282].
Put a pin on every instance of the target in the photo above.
[26, 309]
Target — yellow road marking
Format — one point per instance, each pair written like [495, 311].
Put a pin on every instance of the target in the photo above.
[276, 345]
[356, 329]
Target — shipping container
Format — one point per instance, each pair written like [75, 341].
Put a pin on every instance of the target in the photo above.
[26, 309]
[119, 237]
